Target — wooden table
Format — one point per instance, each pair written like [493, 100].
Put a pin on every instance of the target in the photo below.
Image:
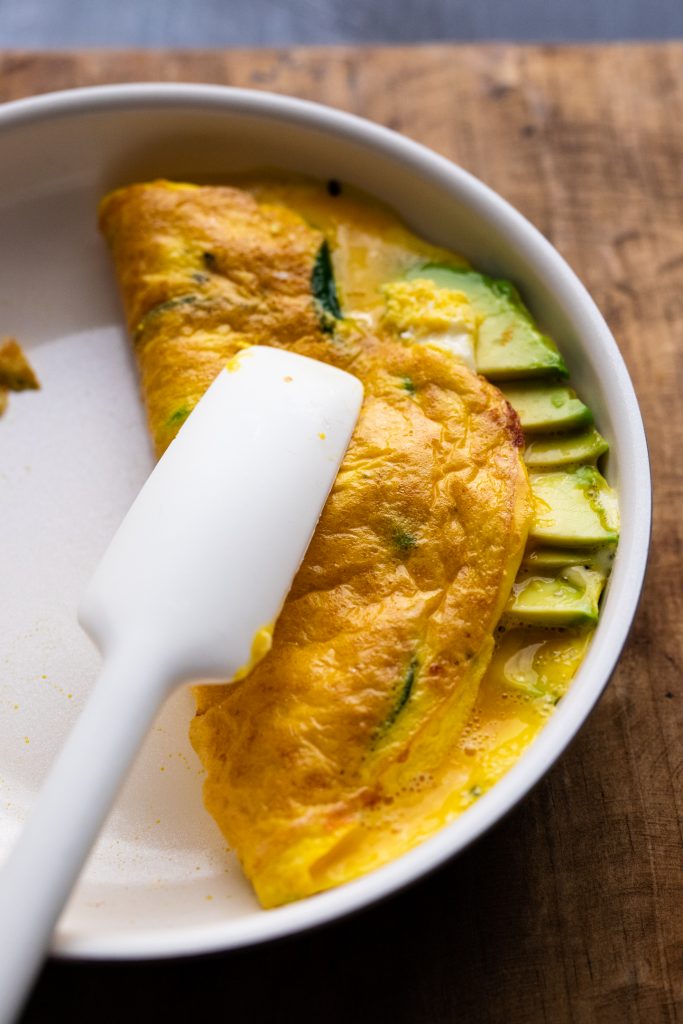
[572, 909]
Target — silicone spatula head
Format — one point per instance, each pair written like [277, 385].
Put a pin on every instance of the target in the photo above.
[196, 573]
[200, 566]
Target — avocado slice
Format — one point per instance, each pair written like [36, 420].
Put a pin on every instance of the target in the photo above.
[509, 344]
[541, 559]
[569, 598]
[547, 407]
[576, 508]
[566, 449]
[537, 661]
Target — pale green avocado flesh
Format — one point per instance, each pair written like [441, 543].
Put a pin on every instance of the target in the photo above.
[542, 558]
[565, 450]
[509, 345]
[574, 509]
[569, 598]
[547, 407]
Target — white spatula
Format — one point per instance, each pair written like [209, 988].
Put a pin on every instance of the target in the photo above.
[198, 570]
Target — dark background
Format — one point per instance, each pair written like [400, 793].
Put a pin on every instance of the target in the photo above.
[64, 23]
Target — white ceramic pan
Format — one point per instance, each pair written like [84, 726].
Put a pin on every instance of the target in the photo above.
[73, 456]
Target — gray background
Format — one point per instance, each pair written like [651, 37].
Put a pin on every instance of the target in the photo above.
[64, 23]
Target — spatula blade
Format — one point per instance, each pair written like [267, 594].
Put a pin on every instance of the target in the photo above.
[202, 563]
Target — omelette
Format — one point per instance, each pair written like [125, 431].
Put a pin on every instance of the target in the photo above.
[16, 373]
[379, 712]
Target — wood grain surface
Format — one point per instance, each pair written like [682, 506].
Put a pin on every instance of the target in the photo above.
[571, 910]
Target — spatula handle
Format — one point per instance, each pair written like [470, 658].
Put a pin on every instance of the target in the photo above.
[78, 792]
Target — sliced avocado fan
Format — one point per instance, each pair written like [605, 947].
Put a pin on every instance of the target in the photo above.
[576, 521]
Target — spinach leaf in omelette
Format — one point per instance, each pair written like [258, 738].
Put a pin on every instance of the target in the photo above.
[324, 289]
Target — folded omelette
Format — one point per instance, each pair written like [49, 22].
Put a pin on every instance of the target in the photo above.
[328, 759]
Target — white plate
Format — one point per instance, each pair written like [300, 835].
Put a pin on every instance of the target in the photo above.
[72, 457]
